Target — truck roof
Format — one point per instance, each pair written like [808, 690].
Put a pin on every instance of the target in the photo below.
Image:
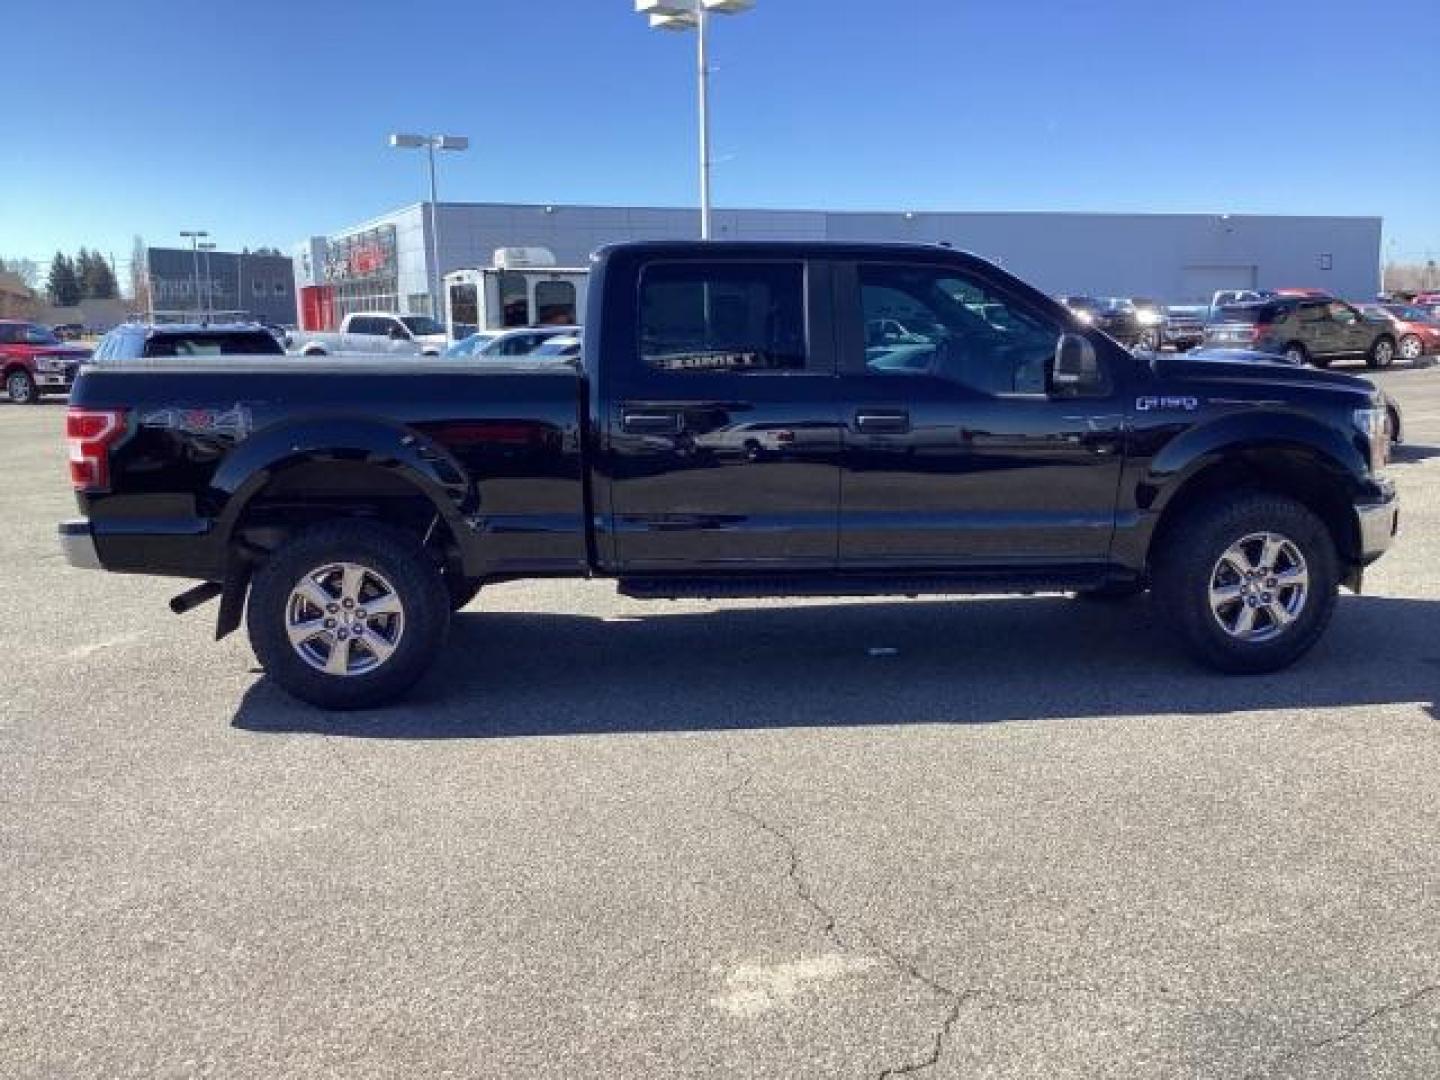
[793, 248]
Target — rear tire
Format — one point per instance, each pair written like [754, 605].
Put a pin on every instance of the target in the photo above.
[1381, 354]
[308, 624]
[1264, 553]
[21, 388]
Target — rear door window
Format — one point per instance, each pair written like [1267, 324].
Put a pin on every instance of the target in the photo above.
[741, 318]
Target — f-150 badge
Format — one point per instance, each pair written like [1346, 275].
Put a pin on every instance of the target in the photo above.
[1166, 404]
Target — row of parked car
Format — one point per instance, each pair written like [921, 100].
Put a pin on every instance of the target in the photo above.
[34, 360]
[1300, 325]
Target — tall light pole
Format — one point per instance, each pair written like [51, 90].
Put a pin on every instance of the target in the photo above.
[695, 15]
[431, 143]
[209, 282]
[194, 236]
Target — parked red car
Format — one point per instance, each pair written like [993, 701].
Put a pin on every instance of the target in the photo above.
[1417, 332]
[33, 361]
[1430, 301]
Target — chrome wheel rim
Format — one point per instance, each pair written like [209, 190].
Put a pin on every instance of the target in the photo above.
[1384, 353]
[1410, 348]
[344, 619]
[1295, 356]
[1258, 587]
[18, 388]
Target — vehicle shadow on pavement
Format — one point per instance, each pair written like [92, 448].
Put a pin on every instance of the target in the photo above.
[510, 674]
[1409, 453]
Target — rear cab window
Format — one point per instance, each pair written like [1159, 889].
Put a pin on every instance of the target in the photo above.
[234, 343]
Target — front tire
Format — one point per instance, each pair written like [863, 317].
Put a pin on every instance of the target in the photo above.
[1381, 354]
[348, 615]
[21, 389]
[1247, 582]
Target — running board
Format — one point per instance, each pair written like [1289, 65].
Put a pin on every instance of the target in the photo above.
[761, 586]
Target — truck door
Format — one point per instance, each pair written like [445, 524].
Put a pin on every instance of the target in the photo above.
[723, 430]
[955, 454]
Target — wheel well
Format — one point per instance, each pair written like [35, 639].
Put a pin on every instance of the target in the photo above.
[1295, 473]
[311, 492]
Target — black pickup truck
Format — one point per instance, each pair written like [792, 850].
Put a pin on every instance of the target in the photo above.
[736, 428]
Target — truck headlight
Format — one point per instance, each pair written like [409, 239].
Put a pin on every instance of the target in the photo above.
[1149, 318]
[1374, 424]
[49, 363]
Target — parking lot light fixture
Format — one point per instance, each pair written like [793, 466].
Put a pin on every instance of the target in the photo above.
[403, 140]
[194, 236]
[209, 282]
[695, 15]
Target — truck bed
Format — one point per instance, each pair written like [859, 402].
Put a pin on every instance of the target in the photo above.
[497, 445]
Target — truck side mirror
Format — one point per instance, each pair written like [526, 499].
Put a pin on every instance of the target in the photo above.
[1075, 368]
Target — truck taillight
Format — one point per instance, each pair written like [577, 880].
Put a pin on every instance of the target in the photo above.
[90, 434]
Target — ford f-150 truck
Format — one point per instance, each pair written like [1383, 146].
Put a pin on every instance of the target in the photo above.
[364, 333]
[344, 508]
[34, 361]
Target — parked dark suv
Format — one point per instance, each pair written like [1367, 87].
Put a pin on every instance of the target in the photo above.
[1115, 315]
[1313, 330]
[134, 341]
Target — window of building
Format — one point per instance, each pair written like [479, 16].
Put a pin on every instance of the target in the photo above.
[555, 303]
[936, 322]
[418, 303]
[723, 317]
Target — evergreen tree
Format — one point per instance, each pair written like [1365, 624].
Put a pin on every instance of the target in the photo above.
[97, 279]
[63, 284]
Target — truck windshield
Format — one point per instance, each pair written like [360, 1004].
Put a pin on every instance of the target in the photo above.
[39, 335]
[422, 325]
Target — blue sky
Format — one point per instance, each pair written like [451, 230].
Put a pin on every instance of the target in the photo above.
[265, 121]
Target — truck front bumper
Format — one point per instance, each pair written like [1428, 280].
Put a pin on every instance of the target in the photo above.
[78, 544]
[1378, 523]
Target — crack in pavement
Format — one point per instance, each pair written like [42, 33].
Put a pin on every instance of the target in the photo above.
[1349, 1031]
[829, 927]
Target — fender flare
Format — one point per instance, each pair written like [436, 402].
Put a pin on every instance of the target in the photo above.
[1197, 449]
[404, 453]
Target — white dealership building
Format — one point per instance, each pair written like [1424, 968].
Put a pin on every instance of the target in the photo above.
[383, 263]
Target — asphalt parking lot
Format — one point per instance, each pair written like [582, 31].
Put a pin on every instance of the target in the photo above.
[611, 839]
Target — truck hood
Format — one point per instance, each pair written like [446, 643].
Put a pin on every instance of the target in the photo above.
[1243, 365]
[70, 352]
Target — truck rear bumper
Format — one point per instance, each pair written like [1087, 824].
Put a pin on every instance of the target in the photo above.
[1378, 523]
[78, 544]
